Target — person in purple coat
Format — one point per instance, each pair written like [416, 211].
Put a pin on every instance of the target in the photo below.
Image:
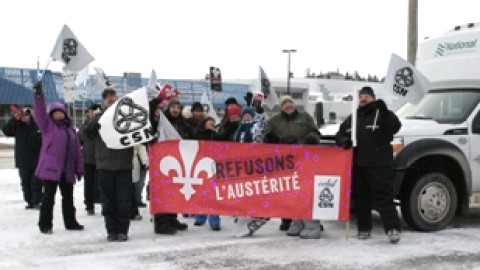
[60, 161]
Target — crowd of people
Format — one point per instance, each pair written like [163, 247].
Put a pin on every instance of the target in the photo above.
[50, 153]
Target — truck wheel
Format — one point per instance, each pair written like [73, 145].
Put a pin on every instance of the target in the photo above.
[430, 203]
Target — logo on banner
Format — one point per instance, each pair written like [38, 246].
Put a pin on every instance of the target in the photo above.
[129, 116]
[69, 49]
[326, 197]
[403, 78]
[187, 172]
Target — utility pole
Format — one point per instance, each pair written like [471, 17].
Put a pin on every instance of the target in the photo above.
[412, 35]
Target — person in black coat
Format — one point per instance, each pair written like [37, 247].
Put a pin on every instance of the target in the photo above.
[167, 223]
[206, 131]
[28, 141]
[372, 181]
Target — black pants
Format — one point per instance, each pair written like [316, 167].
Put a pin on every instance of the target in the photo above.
[89, 186]
[31, 186]
[373, 189]
[116, 188]
[68, 209]
[133, 203]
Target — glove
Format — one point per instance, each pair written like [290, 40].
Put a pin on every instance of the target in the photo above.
[248, 98]
[347, 144]
[79, 177]
[289, 139]
[381, 106]
[309, 139]
[38, 88]
[271, 138]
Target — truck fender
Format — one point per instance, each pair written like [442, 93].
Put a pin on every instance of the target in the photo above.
[429, 147]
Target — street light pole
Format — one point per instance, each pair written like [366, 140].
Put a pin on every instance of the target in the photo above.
[288, 76]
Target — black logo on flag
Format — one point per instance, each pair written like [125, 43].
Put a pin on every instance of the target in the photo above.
[129, 116]
[265, 87]
[326, 198]
[215, 79]
[403, 78]
[69, 49]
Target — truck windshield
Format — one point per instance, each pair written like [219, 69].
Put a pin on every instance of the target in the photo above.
[443, 106]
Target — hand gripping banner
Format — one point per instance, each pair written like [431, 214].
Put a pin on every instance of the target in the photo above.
[255, 180]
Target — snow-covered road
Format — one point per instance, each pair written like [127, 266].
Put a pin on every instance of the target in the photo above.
[22, 246]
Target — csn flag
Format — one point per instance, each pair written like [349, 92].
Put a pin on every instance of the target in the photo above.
[152, 82]
[126, 122]
[264, 86]
[208, 107]
[70, 51]
[404, 81]
[215, 79]
[102, 80]
[165, 129]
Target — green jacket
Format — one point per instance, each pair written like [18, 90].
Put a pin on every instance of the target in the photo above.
[298, 125]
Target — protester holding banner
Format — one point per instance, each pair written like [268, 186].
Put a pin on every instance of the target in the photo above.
[168, 223]
[27, 148]
[230, 125]
[197, 115]
[114, 171]
[372, 159]
[206, 131]
[60, 160]
[91, 192]
[291, 127]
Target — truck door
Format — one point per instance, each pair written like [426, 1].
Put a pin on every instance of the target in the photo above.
[474, 158]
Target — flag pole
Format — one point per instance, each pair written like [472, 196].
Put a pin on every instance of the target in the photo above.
[354, 117]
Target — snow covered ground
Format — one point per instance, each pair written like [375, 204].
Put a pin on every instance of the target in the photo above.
[22, 246]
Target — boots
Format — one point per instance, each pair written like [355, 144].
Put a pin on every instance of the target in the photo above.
[295, 228]
[312, 229]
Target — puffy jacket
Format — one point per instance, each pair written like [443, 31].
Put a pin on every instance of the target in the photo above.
[60, 151]
[107, 158]
[299, 126]
[375, 130]
[27, 145]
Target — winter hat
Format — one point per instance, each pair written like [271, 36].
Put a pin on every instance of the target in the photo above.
[284, 99]
[248, 110]
[197, 106]
[231, 100]
[233, 109]
[367, 90]
[57, 106]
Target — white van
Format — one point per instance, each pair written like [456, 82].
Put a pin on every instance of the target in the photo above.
[437, 150]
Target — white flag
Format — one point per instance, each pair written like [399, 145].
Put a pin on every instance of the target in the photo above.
[70, 51]
[208, 107]
[264, 86]
[102, 80]
[126, 122]
[165, 129]
[152, 82]
[404, 81]
[82, 76]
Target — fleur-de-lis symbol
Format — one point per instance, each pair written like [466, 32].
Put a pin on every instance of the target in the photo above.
[189, 175]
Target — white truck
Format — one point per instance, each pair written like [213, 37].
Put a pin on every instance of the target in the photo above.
[437, 150]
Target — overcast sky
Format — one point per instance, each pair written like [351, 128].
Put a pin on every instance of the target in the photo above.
[180, 39]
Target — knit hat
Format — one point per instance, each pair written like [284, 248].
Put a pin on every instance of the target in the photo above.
[249, 110]
[367, 90]
[284, 99]
[233, 109]
[197, 106]
[231, 100]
